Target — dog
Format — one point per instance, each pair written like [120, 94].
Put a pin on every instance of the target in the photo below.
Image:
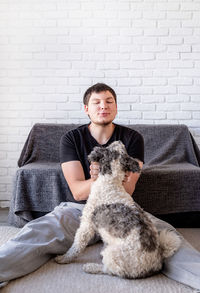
[133, 248]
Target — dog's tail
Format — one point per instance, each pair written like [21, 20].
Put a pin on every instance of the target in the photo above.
[170, 242]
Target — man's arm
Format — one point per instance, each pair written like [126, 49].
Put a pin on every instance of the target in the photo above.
[74, 174]
[80, 187]
[131, 179]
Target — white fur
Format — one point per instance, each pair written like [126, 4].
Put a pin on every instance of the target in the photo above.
[168, 242]
[124, 257]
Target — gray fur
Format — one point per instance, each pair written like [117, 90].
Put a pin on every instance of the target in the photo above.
[119, 219]
[104, 156]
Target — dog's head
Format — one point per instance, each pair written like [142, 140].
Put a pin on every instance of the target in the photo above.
[113, 157]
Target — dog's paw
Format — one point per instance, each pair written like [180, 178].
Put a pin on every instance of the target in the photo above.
[88, 268]
[63, 259]
[3, 284]
[93, 268]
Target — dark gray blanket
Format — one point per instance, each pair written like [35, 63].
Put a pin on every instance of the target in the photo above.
[170, 181]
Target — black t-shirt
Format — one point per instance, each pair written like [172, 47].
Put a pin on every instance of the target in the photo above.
[78, 143]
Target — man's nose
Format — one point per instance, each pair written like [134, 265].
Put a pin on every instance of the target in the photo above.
[103, 105]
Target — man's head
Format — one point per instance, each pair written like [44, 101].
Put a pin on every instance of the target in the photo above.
[100, 104]
[97, 88]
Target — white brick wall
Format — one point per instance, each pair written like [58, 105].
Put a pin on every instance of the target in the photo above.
[52, 50]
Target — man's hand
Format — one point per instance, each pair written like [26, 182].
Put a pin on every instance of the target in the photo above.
[94, 170]
[131, 179]
[126, 177]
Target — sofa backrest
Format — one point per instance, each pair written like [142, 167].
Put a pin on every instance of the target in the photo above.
[163, 143]
[168, 144]
[42, 143]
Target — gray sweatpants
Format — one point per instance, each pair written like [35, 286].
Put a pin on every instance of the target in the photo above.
[53, 234]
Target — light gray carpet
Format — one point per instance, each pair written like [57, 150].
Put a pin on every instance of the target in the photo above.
[71, 279]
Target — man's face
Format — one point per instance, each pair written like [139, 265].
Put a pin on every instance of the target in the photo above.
[101, 108]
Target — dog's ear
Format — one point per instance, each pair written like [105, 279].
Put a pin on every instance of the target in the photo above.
[96, 155]
[129, 164]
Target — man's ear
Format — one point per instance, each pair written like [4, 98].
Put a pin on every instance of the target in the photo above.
[86, 109]
[129, 164]
[96, 155]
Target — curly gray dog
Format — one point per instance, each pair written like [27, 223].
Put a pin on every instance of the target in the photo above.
[133, 246]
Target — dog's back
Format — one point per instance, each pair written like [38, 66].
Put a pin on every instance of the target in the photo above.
[134, 247]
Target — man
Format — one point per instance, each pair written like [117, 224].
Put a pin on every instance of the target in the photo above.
[101, 107]
[53, 234]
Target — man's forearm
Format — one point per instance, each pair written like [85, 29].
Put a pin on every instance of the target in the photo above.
[75, 177]
[130, 184]
[81, 189]
[130, 188]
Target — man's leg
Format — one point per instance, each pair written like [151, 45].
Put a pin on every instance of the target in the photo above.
[49, 235]
[184, 265]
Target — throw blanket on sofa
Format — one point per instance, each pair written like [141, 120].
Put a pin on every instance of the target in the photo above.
[169, 183]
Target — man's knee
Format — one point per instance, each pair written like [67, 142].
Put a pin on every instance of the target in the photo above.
[67, 217]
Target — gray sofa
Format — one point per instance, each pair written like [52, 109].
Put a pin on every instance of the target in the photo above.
[169, 184]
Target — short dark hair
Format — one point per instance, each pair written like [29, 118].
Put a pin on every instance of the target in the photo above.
[97, 88]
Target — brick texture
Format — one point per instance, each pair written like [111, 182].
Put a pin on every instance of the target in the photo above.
[51, 51]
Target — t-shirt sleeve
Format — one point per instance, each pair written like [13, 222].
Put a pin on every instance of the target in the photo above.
[68, 149]
[136, 147]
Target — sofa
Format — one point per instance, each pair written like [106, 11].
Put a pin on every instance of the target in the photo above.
[169, 186]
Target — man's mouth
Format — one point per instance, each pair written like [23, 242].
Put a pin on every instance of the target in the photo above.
[103, 114]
